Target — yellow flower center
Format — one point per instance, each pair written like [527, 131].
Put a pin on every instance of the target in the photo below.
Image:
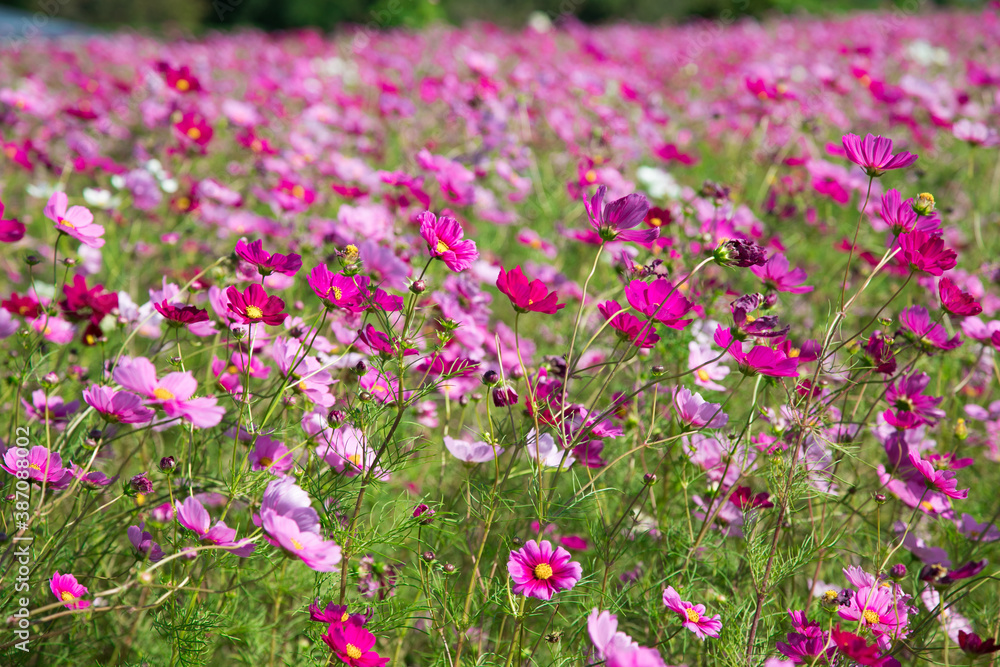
[794, 352]
[266, 462]
[298, 192]
[163, 394]
[590, 176]
[67, 596]
[655, 222]
[10, 152]
[140, 500]
[352, 651]
[692, 615]
[866, 80]
[66, 223]
[302, 385]
[295, 543]
[442, 247]
[926, 504]
[337, 293]
[351, 252]
[184, 203]
[535, 243]
[830, 596]
[355, 459]
[343, 619]
[927, 197]
[870, 617]
[256, 145]
[254, 313]
[232, 370]
[194, 133]
[702, 374]
[543, 571]
[35, 466]
[182, 85]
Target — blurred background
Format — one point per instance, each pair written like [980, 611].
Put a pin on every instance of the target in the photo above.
[199, 15]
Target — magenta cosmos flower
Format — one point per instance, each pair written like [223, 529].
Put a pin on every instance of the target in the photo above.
[42, 466]
[265, 262]
[336, 289]
[180, 315]
[925, 251]
[874, 154]
[616, 221]
[527, 297]
[693, 615]
[660, 301]
[776, 275]
[77, 222]
[353, 645]
[192, 515]
[254, 305]
[761, 360]
[538, 571]
[640, 333]
[118, 407]
[942, 481]
[68, 591]
[918, 326]
[447, 241]
[11, 231]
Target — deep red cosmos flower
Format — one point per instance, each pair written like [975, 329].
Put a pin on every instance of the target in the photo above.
[973, 644]
[527, 297]
[254, 305]
[955, 301]
[181, 315]
[857, 649]
[87, 303]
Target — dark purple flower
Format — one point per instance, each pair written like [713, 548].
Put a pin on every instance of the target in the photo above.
[616, 221]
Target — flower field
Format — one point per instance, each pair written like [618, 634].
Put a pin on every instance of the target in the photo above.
[622, 345]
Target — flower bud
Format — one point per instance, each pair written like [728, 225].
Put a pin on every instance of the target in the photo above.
[423, 513]
[491, 378]
[448, 568]
[335, 418]
[879, 498]
[961, 430]
[504, 396]
[69, 262]
[140, 484]
[740, 253]
[658, 369]
[168, 464]
[360, 368]
[649, 479]
[923, 204]
[418, 287]
[428, 556]
[897, 571]
[32, 260]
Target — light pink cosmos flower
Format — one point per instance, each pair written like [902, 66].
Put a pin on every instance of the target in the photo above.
[272, 456]
[603, 629]
[539, 571]
[472, 452]
[777, 276]
[49, 409]
[634, 656]
[118, 407]
[975, 531]
[42, 466]
[192, 515]
[68, 591]
[290, 523]
[692, 615]
[710, 372]
[54, 329]
[77, 222]
[173, 392]
[693, 410]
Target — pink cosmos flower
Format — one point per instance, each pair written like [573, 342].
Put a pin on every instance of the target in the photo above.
[42, 466]
[881, 609]
[68, 591]
[942, 481]
[629, 327]
[532, 239]
[254, 305]
[336, 289]
[538, 571]
[897, 214]
[49, 409]
[660, 301]
[709, 372]
[874, 154]
[352, 644]
[11, 231]
[955, 301]
[911, 407]
[143, 545]
[917, 325]
[603, 629]
[693, 410]
[633, 656]
[760, 360]
[977, 532]
[290, 523]
[617, 220]
[271, 455]
[472, 452]
[527, 297]
[192, 515]
[265, 262]
[925, 251]
[446, 241]
[77, 222]
[692, 615]
[777, 276]
[117, 406]
[54, 329]
[173, 392]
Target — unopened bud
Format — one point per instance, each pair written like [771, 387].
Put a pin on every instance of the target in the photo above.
[649, 479]
[429, 556]
[491, 378]
[961, 430]
[448, 568]
[879, 498]
[168, 464]
[418, 287]
[923, 204]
